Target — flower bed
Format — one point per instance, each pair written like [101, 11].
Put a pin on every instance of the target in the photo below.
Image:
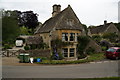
[92, 57]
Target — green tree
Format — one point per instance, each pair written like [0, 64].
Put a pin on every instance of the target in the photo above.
[28, 19]
[97, 38]
[24, 31]
[117, 25]
[110, 36]
[10, 29]
[82, 44]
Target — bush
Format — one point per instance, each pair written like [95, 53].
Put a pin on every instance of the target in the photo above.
[43, 58]
[82, 44]
[53, 57]
[112, 37]
[82, 56]
[7, 46]
[26, 47]
[61, 56]
[117, 45]
[32, 46]
[90, 50]
[104, 48]
[97, 38]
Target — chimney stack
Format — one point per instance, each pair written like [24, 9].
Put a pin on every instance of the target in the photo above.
[105, 22]
[56, 9]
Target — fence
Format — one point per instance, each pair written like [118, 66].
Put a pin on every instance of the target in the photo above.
[10, 53]
[34, 53]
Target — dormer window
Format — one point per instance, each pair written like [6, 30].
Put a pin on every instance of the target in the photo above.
[70, 22]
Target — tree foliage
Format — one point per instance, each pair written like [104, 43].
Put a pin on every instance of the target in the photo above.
[24, 31]
[97, 38]
[11, 22]
[57, 43]
[10, 29]
[82, 44]
[117, 25]
[110, 36]
[28, 19]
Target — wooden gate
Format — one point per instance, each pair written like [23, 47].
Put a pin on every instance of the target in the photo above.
[10, 53]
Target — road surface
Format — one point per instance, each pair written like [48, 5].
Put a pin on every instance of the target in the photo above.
[86, 70]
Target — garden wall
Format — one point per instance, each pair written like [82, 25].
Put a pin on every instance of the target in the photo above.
[37, 53]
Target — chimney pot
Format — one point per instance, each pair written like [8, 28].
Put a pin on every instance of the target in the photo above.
[56, 9]
[105, 22]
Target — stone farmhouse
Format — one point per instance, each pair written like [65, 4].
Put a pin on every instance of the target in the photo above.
[63, 25]
[101, 29]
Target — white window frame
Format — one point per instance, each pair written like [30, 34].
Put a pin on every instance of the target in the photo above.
[65, 53]
[64, 36]
[72, 52]
[72, 35]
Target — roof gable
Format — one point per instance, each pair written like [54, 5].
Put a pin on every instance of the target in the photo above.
[61, 21]
[99, 29]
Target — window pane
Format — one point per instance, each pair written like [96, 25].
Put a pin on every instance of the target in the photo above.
[65, 52]
[72, 36]
[118, 50]
[72, 52]
[111, 50]
[64, 36]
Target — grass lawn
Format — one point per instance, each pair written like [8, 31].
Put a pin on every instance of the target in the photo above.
[92, 57]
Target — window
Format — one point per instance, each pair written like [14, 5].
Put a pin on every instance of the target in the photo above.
[72, 36]
[65, 52]
[64, 36]
[76, 39]
[72, 52]
[111, 50]
[70, 22]
[118, 50]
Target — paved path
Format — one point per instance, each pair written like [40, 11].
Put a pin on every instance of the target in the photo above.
[89, 70]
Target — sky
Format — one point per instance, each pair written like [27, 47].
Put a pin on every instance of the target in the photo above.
[89, 12]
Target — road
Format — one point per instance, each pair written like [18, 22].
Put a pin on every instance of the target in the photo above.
[86, 70]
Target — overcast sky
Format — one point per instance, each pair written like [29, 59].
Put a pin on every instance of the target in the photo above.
[89, 12]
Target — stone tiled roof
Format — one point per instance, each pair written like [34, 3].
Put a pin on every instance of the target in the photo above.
[99, 29]
[32, 39]
[59, 21]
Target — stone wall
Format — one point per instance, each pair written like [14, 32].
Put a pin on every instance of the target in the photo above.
[37, 53]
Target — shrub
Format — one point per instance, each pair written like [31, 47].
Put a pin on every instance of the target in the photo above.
[33, 46]
[43, 58]
[43, 46]
[61, 56]
[53, 57]
[7, 46]
[117, 45]
[104, 48]
[26, 47]
[105, 43]
[82, 44]
[110, 36]
[90, 50]
[82, 56]
[97, 37]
